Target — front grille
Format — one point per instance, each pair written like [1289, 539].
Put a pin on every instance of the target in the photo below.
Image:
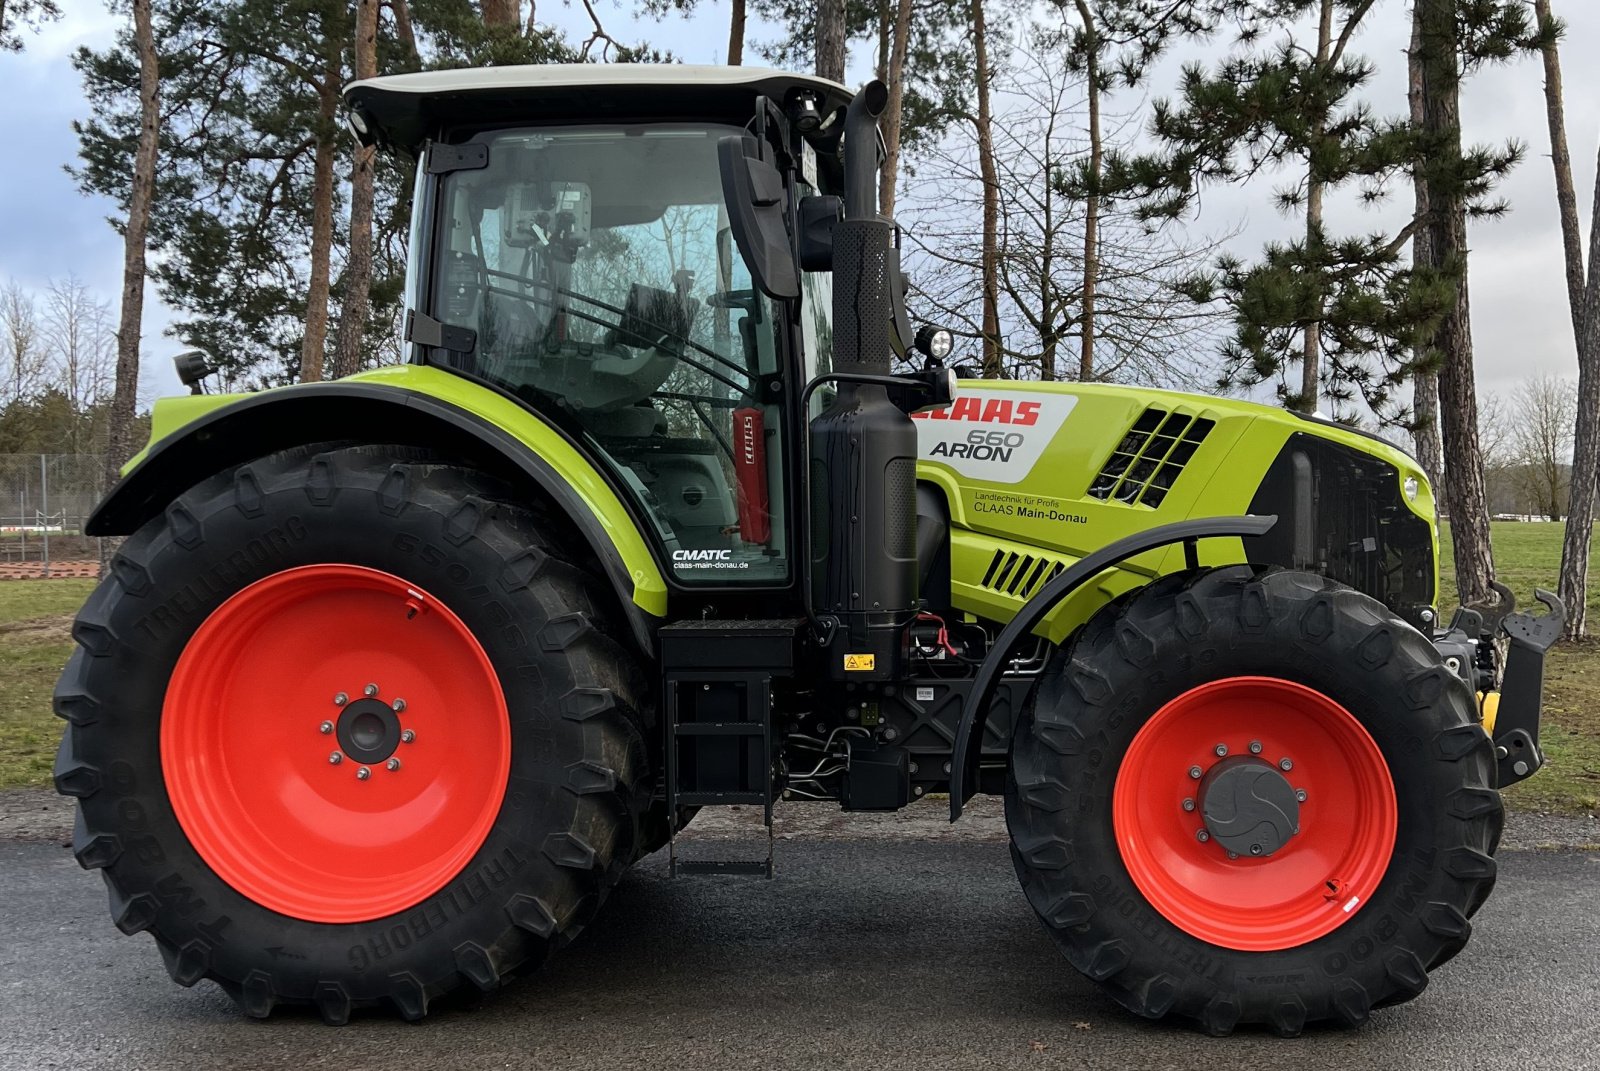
[1146, 463]
[1021, 575]
[1341, 515]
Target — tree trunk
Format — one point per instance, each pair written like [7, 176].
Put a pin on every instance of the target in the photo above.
[889, 179]
[125, 394]
[501, 13]
[403, 29]
[1311, 346]
[1561, 159]
[1574, 582]
[881, 70]
[830, 39]
[1465, 497]
[1091, 219]
[349, 343]
[992, 366]
[313, 347]
[1425, 384]
[736, 34]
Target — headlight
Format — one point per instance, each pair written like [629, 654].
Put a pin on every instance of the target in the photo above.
[1411, 486]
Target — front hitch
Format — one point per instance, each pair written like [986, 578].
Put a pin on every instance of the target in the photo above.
[1516, 725]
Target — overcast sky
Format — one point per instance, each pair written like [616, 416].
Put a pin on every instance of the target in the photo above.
[1521, 325]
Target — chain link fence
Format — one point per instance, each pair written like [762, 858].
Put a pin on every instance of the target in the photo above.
[45, 500]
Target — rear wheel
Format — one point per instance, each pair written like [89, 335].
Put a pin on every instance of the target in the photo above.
[351, 731]
[1253, 797]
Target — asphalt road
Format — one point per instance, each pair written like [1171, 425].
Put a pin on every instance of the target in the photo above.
[864, 953]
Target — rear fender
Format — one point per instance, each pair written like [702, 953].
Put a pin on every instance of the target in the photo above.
[409, 405]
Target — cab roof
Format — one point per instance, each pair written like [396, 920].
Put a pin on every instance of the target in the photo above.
[403, 110]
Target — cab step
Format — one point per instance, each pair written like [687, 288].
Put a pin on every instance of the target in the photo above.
[717, 684]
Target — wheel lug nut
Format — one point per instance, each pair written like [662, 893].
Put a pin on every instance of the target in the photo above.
[399, 705]
[1194, 772]
[392, 765]
[1285, 764]
[1233, 855]
[1188, 804]
[335, 759]
[325, 728]
[363, 773]
[1300, 794]
[340, 700]
[370, 690]
[1255, 747]
[407, 736]
[1202, 836]
[1221, 750]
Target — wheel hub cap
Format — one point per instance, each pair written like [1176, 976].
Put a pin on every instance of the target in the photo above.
[368, 731]
[1249, 807]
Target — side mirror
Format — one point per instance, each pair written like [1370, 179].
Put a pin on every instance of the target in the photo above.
[753, 192]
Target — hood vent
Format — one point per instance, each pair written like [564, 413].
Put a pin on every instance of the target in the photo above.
[1021, 574]
[1146, 463]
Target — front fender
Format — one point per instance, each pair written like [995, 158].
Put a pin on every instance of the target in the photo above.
[969, 732]
[407, 405]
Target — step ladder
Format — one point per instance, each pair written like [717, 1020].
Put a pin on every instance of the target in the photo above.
[717, 687]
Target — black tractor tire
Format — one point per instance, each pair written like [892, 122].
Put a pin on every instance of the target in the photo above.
[580, 773]
[1189, 629]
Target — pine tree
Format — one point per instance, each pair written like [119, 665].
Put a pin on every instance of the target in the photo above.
[937, 64]
[1110, 43]
[1345, 310]
[1583, 300]
[248, 224]
[135, 237]
[357, 283]
[17, 15]
[1454, 37]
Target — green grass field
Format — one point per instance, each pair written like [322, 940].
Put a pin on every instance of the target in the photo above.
[34, 643]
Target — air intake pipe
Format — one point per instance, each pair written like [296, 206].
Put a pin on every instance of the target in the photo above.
[863, 447]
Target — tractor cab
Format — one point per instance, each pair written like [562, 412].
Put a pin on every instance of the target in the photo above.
[574, 247]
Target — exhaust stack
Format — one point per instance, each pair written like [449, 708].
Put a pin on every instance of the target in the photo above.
[863, 447]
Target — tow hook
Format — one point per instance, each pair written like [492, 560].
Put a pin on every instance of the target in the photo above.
[1516, 724]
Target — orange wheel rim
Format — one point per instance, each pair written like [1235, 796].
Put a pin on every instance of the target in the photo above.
[323, 661]
[1327, 837]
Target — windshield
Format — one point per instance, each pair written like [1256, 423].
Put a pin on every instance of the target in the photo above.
[597, 269]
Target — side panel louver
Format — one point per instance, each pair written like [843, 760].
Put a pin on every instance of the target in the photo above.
[1021, 574]
[1146, 463]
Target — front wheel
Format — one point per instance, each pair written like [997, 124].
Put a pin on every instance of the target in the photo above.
[349, 729]
[1248, 796]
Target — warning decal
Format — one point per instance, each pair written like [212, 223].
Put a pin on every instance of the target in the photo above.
[990, 434]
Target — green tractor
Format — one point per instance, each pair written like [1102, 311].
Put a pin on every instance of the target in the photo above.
[393, 677]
